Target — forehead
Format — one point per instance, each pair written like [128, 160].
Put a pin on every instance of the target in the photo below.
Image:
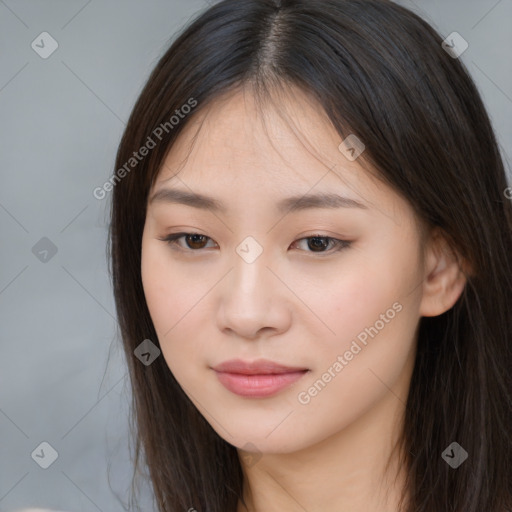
[288, 141]
[242, 152]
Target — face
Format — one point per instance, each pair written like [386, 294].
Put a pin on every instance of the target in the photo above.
[330, 291]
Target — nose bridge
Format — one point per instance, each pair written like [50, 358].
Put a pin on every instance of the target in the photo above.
[250, 250]
[248, 295]
[250, 266]
[248, 303]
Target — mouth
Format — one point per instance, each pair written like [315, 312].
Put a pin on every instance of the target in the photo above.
[257, 379]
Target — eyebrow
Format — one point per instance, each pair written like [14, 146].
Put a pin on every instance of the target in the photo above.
[288, 204]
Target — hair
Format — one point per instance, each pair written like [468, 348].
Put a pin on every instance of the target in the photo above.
[379, 71]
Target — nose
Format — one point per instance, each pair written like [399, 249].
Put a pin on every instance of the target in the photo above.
[253, 302]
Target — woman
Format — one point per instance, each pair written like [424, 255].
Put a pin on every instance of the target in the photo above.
[310, 249]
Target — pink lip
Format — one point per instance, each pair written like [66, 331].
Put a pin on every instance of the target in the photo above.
[257, 379]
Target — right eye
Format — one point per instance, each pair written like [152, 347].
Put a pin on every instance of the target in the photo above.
[192, 240]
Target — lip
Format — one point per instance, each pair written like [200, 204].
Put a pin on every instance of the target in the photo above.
[257, 379]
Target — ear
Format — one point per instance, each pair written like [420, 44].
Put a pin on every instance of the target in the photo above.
[444, 279]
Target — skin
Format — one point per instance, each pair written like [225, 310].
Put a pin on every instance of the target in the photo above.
[292, 305]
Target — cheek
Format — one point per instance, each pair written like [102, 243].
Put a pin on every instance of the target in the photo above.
[164, 290]
[367, 357]
[157, 288]
[169, 289]
[174, 299]
[365, 288]
[374, 317]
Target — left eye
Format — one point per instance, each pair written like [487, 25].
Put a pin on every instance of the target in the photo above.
[195, 242]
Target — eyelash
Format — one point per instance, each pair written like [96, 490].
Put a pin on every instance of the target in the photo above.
[338, 244]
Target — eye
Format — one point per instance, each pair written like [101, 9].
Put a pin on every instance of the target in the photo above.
[193, 240]
[318, 243]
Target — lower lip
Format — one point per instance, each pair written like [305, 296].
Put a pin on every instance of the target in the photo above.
[258, 386]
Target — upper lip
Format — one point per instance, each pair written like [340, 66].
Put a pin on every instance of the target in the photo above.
[258, 367]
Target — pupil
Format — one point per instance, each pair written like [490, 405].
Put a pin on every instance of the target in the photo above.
[316, 245]
[194, 240]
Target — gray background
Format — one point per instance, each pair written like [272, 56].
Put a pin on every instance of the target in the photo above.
[62, 374]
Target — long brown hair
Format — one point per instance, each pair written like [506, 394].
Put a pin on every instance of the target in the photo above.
[379, 71]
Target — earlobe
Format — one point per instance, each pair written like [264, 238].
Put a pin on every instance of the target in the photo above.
[444, 279]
